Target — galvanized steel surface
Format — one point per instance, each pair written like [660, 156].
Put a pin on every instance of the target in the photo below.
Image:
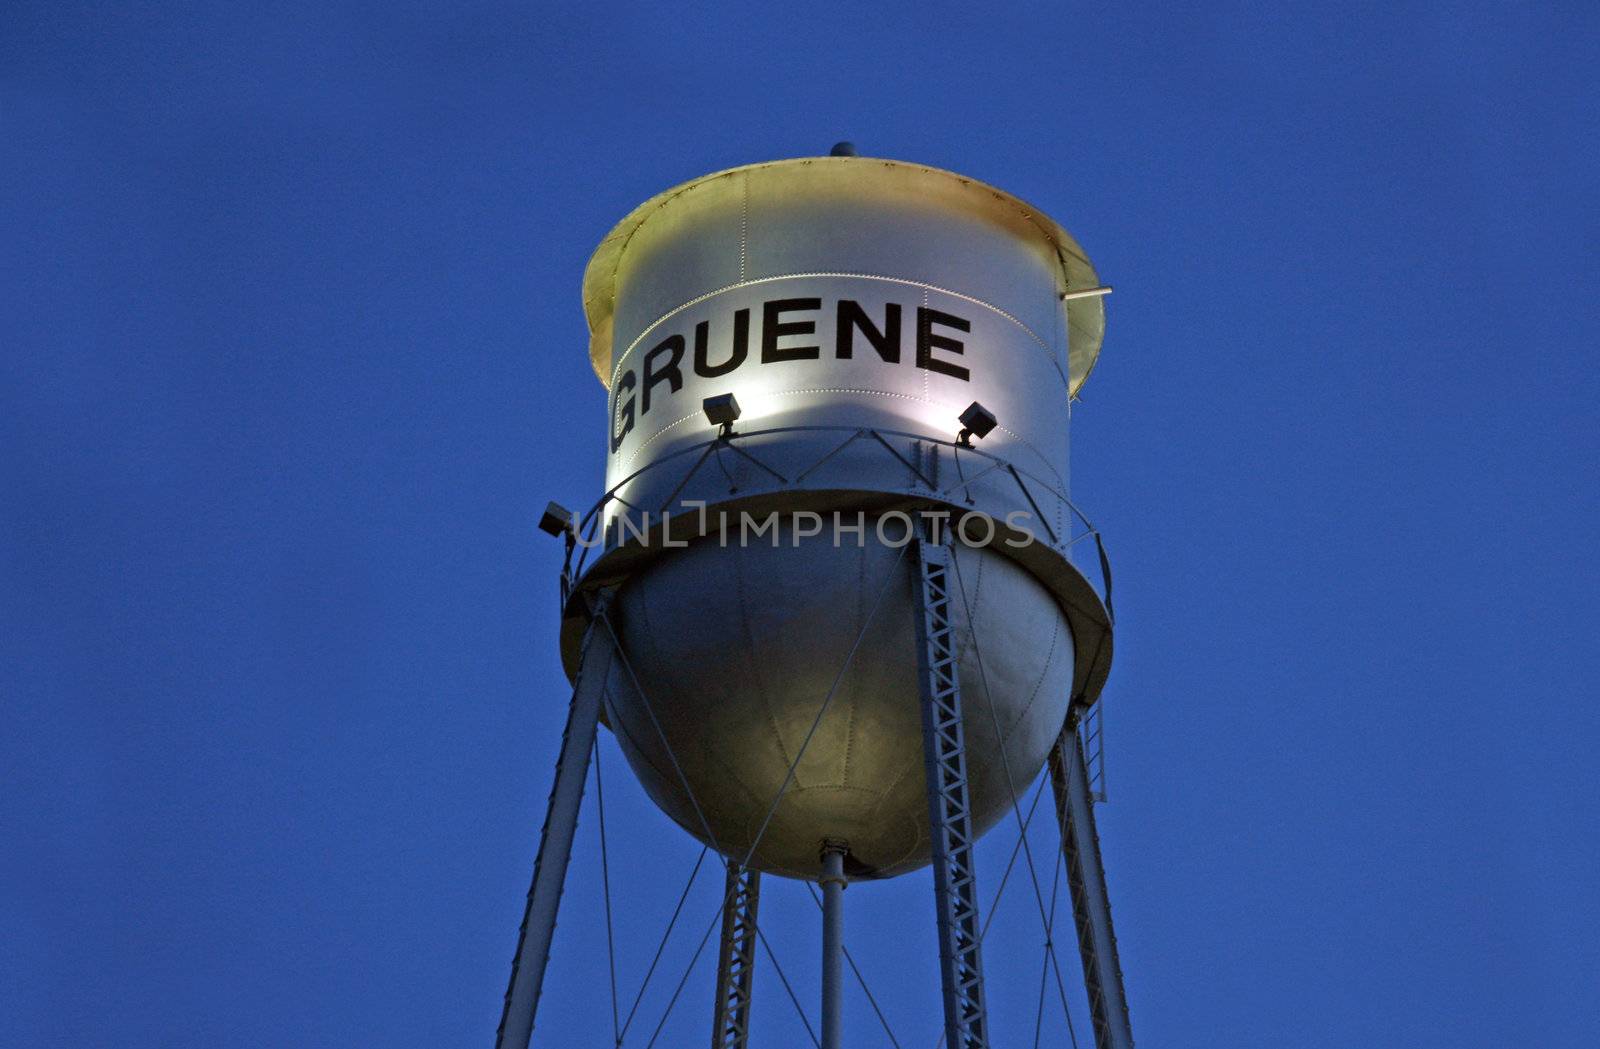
[743, 644]
[833, 292]
[851, 212]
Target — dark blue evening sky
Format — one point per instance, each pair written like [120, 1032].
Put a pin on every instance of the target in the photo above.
[292, 355]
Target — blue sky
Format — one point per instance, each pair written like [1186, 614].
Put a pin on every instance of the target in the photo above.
[292, 355]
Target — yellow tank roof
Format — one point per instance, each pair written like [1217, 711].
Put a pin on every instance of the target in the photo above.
[1086, 318]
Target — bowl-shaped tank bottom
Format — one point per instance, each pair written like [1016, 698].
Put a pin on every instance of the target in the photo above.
[737, 647]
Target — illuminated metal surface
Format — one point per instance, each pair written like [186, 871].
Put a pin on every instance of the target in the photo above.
[840, 291]
[912, 472]
[743, 643]
[824, 214]
[854, 308]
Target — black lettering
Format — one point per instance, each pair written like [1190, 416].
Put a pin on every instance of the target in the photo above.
[772, 330]
[625, 383]
[927, 342]
[672, 345]
[741, 347]
[885, 341]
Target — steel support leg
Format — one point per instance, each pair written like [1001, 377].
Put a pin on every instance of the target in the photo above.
[1091, 906]
[736, 963]
[555, 842]
[832, 944]
[949, 813]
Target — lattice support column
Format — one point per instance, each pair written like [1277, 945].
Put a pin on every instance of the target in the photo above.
[737, 960]
[949, 812]
[1091, 904]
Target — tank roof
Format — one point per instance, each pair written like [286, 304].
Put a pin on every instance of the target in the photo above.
[1086, 319]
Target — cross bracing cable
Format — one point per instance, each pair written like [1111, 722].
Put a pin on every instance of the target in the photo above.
[773, 957]
[889, 578]
[605, 882]
[860, 979]
[682, 898]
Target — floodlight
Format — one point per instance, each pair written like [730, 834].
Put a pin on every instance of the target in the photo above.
[976, 421]
[723, 411]
[557, 520]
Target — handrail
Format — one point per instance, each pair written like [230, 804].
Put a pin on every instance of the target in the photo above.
[584, 529]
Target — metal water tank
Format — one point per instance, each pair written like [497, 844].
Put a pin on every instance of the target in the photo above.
[854, 308]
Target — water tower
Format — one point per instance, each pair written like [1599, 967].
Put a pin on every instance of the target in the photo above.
[828, 603]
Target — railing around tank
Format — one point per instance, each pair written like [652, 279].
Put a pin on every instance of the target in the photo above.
[589, 532]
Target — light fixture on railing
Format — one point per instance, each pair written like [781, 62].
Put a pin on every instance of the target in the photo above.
[557, 521]
[976, 421]
[722, 410]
